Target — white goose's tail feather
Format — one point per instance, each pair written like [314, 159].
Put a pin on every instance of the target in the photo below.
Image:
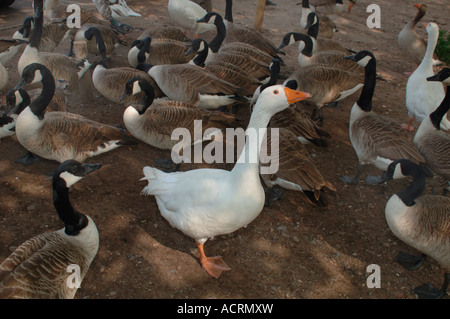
[159, 182]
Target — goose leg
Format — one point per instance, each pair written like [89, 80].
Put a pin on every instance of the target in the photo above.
[214, 266]
[352, 180]
[410, 262]
[427, 291]
[28, 159]
[408, 126]
[317, 116]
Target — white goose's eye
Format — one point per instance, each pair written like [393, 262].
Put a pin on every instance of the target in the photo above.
[276, 92]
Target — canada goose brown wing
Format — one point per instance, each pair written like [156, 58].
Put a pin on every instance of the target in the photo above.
[250, 36]
[167, 51]
[336, 59]
[35, 258]
[247, 49]
[329, 44]
[233, 74]
[61, 66]
[295, 165]
[436, 150]
[299, 123]
[164, 119]
[184, 82]
[384, 137]
[250, 65]
[434, 218]
[74, 131]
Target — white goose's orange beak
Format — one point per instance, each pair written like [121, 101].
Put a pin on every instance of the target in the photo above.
[418, 5]
[295, 96]
[350, 5]
[425, 25]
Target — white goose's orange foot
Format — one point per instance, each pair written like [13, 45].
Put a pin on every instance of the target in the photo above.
[214, 266]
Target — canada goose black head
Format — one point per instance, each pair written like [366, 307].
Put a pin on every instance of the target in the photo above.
[363, 58]
[17, 99]
[101, 47]
[28, 24]
[216, 18]
[135, 86]
[201, 48]
[292, 37]
[442, 76]
[68, 173]
[312, 19]
[144, 49]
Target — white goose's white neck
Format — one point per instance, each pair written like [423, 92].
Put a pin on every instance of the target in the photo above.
[254, 135]
[427, 61]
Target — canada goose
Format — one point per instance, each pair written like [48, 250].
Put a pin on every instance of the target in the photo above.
[217, 45]
[165, 32]
[331, 58]
[422, 96]
[433, 143]
[376, 139]
[411, 42]
[194, 85]
[60, 136]
[110, 83]
[420, 221]
[105, 42]
[4, 77]
[296, 168]
[15, 97]
[9, 48]
[326, 84]
[239, 72]
[327, 27]
[209, 202]
[246, 34]
[40, 268]
[61, 66]
[163, 51]
[321, 44]
[53, 33]
[153, 121]
[292, 118]
[185, 13]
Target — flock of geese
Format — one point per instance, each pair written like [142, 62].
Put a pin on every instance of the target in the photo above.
[173, 81]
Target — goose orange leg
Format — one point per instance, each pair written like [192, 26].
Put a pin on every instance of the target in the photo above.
[408, 126]
[214, 266]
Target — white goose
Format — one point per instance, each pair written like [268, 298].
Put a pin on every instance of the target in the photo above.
[204, 203]
[422, 96]
[185, 13]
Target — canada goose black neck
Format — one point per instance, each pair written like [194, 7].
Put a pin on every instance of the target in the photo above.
[73, 220]
[442, 109]
[217, 41]
[229, 10]
[274, 74]
[417, 187]
[313, 26]
[308, 49]
[365, 99]
[201, 55]
[93, 31]
[35, 38]
[144, 49]
[39, 105]
[11, 100]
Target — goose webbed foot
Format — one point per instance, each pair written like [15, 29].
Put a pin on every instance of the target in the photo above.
[273, 194]
[427, 291]
[167, 165]
[352, 180]
[410, 262]
[317, 116]
[28, 159]
[374, 180]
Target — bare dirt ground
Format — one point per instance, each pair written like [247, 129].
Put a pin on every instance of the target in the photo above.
[293, 250]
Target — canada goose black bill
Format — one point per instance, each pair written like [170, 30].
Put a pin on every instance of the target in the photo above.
[442, 76]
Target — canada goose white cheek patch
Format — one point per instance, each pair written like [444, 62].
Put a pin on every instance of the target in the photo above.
[364, 61]
[136, 88]
[18, 97]
[70, 179]
[37, 77]
[398, 172]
